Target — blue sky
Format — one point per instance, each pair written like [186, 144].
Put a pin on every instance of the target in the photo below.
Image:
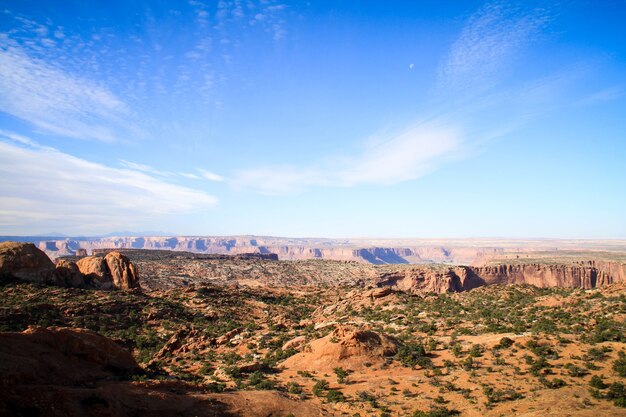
[335, 119]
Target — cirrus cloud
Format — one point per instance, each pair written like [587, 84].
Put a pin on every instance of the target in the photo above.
[43, 188]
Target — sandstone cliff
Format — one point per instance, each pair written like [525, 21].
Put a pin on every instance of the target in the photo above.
[440, 279]
[431, 279]
[584, 274]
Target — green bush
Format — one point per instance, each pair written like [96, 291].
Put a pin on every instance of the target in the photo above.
[334, 396]
[619, 365]
[597, 382]
[413, 354]
[319, 387]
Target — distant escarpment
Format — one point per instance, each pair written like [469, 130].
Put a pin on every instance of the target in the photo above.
[440, 279]
[25, 261]
[364, 251]
[584, 274]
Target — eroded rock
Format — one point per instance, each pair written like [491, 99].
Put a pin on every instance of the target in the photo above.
[25, 261]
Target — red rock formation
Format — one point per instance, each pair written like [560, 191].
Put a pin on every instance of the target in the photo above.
[96, 272]
[25, 261]
[429, 279]
[62, 356]
[346, 346]
[123, 273]
[68, 274]
[587, 274]
[112, 271]
[61, 372]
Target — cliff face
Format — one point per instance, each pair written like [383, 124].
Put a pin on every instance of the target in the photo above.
[588, 274]
[425, 279]
[285, 248]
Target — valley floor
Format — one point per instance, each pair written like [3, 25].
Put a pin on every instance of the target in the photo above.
[279, 349]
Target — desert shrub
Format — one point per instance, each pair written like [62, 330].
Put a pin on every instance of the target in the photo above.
[457, 350]
[504, 343]
[597, 382]
[538, 365]
[342, 374]
[436, 412]
[215, 387]
[575, 371]
[319, 387]
[413, 354]
[607, 331]
[467, 363]
[596, 354]
[294, 388]
[497, 396]
[617, 393]
[476, 351]
[619, 365]
[259, 381]
[367, 397]
[335, 396]
[552, 384]
[542, 350]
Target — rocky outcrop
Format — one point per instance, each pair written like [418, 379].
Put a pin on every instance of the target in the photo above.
[62, 356]
[123, 273]
[95, 270]
[431, 279]
[346, 346]
[297, 343]
[61, 372]
[584, 274]
[68, 274]
[114, 271]
[25, 261]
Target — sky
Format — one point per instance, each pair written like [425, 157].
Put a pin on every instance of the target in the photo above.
[314, 119]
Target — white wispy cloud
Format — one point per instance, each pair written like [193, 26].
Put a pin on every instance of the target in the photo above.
[460, 120]
[211, 176]
[189, 175]
[490, 41]
[55, 101]
[204, 174]
[144, 168]
[388, 159]
[43, 188]
[606, 94]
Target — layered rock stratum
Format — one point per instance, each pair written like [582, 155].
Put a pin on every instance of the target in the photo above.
[365, 250]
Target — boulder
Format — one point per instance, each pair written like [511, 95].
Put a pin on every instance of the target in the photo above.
[68, 274]
[123, 273]
[380, 292]
[25, 261]
[96, 272]
[114, 271]
[296, 343]
[225, 338]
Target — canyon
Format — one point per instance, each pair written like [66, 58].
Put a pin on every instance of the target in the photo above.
[376, 251]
